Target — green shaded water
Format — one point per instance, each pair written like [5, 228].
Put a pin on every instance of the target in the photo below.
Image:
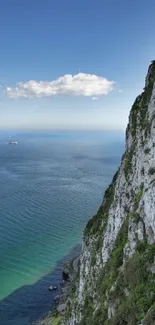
[51, 185]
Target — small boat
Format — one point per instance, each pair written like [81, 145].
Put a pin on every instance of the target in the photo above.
[52, 288]
[13, 142]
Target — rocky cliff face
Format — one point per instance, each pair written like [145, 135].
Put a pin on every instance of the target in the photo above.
[116, 280]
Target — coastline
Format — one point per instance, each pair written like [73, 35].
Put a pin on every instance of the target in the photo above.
[35, 301]
[69, 272]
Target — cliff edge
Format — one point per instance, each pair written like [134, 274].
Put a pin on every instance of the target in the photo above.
[115, 284]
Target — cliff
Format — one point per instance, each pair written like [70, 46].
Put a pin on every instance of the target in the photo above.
[115, 284]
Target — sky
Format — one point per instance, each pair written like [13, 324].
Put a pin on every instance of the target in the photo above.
[73, 64]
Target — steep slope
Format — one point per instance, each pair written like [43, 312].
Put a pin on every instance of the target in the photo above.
[116, 281]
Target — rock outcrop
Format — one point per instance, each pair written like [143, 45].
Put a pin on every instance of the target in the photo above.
[115, 284]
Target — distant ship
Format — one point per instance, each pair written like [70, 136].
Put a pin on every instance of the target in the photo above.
[12, 142]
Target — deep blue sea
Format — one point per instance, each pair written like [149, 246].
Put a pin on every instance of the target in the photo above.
[51, 183]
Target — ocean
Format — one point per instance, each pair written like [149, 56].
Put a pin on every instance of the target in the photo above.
[51, 183]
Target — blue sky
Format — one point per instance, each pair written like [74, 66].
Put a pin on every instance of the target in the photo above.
[104, 46]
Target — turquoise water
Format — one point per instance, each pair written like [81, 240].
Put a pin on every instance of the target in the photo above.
[51, 184]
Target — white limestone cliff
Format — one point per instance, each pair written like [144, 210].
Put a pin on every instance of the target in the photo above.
[122, 232]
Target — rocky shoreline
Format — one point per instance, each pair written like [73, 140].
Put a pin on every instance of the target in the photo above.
[69, 272]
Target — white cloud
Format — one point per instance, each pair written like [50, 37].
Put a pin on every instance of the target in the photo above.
[81, 84]
[94, 98]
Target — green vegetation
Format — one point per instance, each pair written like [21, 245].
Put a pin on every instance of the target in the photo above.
[109, 197]
[135, 217]
[94, 224]
[128, 165]
[125, 314]
[52, 320]
[133, 116]
[145, 124]
[128, 160]
[106, 279]
[138, 196]
[114, 281]
[140, 193]
[117, 254]
[100, 316]
[139, 111]
[150, 316]
[140, 283]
